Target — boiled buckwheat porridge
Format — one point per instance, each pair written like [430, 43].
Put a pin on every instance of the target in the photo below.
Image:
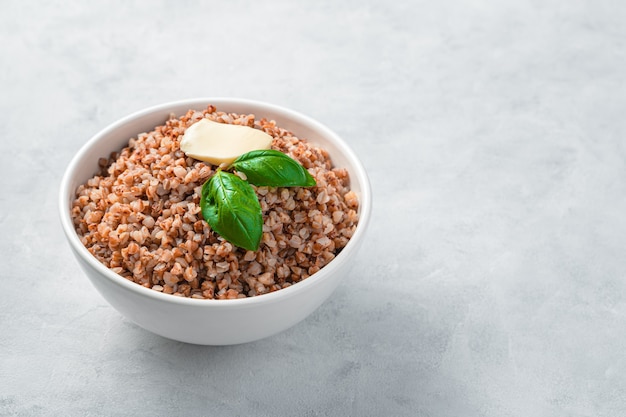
[141, 216]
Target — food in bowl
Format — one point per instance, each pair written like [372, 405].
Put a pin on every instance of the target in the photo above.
[141, 215]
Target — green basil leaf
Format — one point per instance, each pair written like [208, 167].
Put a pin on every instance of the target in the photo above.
[232, 209]
[272, 168]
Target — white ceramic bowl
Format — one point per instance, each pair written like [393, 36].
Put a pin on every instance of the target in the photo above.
[213, 322]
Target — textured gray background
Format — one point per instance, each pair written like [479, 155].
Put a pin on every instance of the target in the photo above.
[493, 282]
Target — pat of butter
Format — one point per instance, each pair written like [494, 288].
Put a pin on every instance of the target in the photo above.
[221, 143]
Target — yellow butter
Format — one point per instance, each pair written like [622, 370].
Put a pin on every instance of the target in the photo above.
[221, 143]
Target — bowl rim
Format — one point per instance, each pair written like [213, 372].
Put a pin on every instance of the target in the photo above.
[365, 205]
